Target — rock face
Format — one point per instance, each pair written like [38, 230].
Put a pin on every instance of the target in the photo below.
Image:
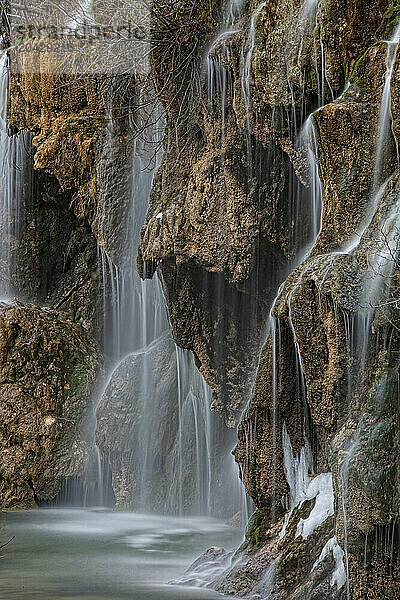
[54, 259]
[48, 367]
[229, 217]
[235, 209]
[230, 209]
[87, 200]
[82, 144]
[218, 226]
[326, 375]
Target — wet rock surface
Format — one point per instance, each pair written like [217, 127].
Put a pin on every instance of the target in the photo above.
[327, 363]
[81, 153]
[48, 370]
[123, 409]
[230, 215]
[326, 373]
[151, 458]
[216, 206]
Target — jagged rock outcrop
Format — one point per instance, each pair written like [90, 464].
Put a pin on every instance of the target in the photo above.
[215, 219]
[219, 214]
[83, 136]
[48, 370]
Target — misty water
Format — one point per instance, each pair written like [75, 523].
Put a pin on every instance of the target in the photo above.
[60, 554]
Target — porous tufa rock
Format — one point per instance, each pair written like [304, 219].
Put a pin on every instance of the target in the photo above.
[48, 371]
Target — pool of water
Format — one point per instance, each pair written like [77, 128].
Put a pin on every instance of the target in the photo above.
[63, 554]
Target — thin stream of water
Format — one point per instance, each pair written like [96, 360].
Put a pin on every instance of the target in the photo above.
[16, 176]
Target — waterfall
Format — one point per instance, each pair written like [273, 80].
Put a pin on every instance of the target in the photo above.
[385, 114]
[322, 401]
[307, 16]
[216, 487]
[298, 468]
[308, 141]
[246, 73]
[358, 327]
[218, 77]
[232, 12]
[358, 332]
[306, 144]
[134, 309]
[203, 476]
[383, 261]
[380, 267]
[308, 10]
[16, 174]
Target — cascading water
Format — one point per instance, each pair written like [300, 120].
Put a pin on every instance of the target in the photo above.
[134, 309]
[308, 141]
[16, 176]
[384, 258]
[246, 68]
[218, 77]
[156, 438]
[381, 264]
[298, 468]
[358, 326]
[385, 115]
[193, 480]
[232, 12]
[201, 438]
[310, 11]
[215, 71]
[320, 487]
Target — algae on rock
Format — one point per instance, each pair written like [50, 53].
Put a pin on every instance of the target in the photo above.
[48, 371]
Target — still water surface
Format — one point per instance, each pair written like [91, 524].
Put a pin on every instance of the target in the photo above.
[74, 554]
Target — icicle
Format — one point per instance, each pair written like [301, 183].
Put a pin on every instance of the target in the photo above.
[339, 575]
[303, 488]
